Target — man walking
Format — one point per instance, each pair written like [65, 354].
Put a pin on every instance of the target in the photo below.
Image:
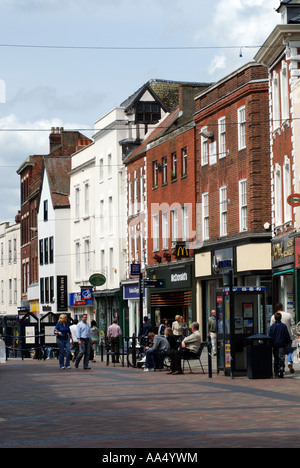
[281, 340]
[212, 331]
[83, 333]
[113, 334]
[288, 320]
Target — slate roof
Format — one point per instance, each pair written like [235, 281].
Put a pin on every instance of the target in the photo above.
[58, 169]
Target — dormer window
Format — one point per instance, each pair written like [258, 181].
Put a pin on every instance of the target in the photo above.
[148, 112]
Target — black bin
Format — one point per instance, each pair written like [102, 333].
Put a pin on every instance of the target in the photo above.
[259, 357]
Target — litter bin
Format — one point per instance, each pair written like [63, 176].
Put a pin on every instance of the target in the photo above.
[259, 357]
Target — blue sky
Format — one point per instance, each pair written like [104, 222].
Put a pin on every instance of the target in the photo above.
[45, 87]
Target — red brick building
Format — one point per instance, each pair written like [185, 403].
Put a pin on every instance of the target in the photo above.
[62, 143]
[280, 54]
[165, 224]
[233, 185]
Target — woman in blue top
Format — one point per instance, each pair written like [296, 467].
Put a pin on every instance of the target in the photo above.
[63, 334]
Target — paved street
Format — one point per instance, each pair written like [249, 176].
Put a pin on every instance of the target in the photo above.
[42, 406]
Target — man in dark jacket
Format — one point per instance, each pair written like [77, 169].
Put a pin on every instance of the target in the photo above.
[281, 340]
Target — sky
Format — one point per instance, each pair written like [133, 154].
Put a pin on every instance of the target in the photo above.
[88, 56]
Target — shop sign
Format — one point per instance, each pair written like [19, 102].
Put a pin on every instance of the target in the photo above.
[131, 291]
[283, 251]
[62, 293]
[75, 299]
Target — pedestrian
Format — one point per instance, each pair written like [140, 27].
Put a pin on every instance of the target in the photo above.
[281, 341]
[113, 334]
[145, 329]
[288, 320]
[74, 348]
[171, 338]
[212, 331]
[189, 348]
[156, 353]
[164, 324]
[177, 327]
[63, 334]
[84, 337]
[95, 333]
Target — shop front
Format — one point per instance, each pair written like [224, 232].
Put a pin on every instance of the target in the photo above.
[133, 318]
[177, 297]
[82, 302]
[283, 270]
[250, 263]
[109, 305]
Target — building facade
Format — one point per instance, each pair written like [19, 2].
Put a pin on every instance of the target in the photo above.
[280, 54]
[233, 186]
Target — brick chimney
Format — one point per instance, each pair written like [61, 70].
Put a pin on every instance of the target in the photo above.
[55, 138]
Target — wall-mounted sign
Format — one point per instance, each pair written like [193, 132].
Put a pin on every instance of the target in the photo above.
[294, 200]
[182, 251]
[75, 299]
[97, 279]
[62, 293]
[135, 269]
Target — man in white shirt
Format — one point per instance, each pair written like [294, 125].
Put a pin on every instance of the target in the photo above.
[288, 320]
[84, 337]
[74, 342]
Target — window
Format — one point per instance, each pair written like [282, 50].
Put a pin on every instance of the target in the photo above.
[155, 174]
[129, 198]
[222, 137]
[47, 291]
[9, 251]
[242, 127]
[77, 260]
[51, 249]
[52, 289]
[174, 217]
[278, 195]
[111, 216]
[287, 189]
[174, 166]
[165, 169]
[101, 221]
[223, 211]
[275, 101]
[142, 188]
[10, 291]
[205, 216]
[204, 148]
[45, 210]
[243, 205]
[77, 201]
[184, 162]
[155, 232]
[136, 194]
[147, 112]
[101, 170]
[87, 258]
[185, 223]
[165, 230]
[41, 243]
[15, 291]
[109, 164]
[86, 199]
[284, 91]
[15, 250]
[46, 251]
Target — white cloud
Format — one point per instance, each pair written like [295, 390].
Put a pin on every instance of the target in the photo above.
[218, 63]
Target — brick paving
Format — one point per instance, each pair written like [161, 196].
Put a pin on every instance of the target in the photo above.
[110, 407]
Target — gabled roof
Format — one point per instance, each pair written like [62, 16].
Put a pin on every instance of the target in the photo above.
[58, 169]
[160, 131]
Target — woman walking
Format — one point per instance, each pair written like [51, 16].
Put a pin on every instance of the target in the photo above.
[63, 334]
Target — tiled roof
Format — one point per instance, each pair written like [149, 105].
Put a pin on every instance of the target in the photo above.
[58, 169]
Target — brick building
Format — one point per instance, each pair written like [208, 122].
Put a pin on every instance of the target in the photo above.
[233, 186]
[61, 143]
[280, 54]
[161, 177]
